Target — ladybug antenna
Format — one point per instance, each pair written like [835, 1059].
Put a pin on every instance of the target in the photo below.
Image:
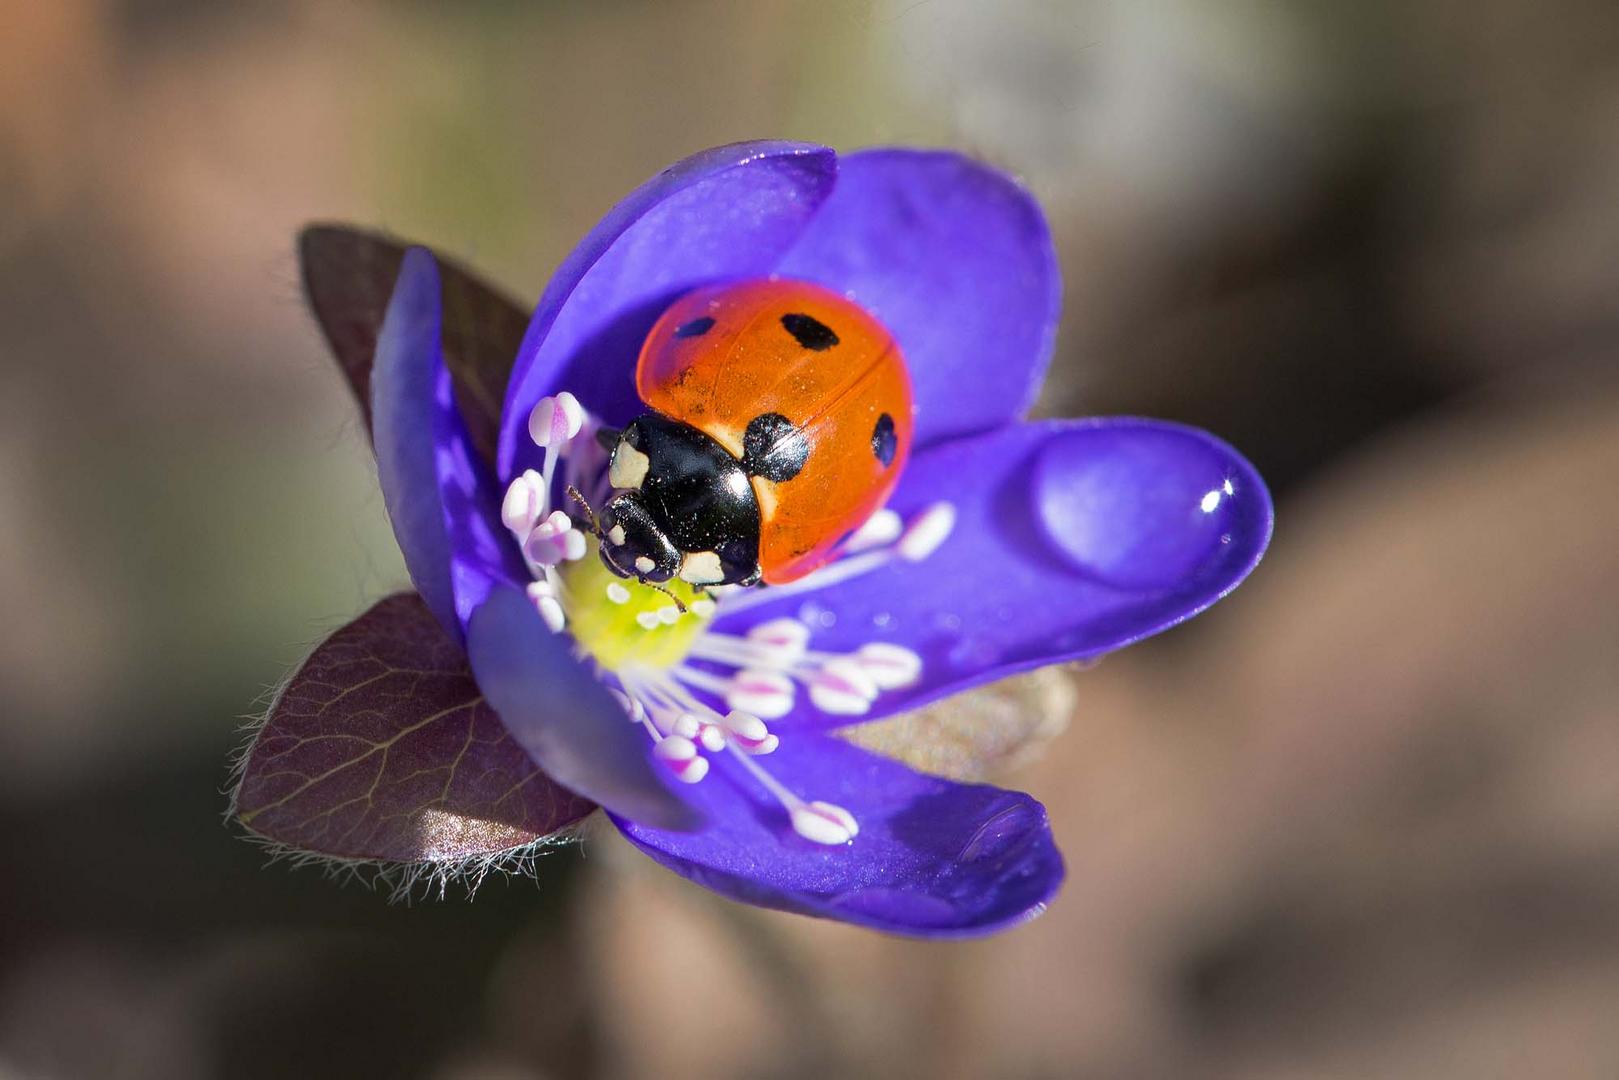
[590, 512]
[654, 585]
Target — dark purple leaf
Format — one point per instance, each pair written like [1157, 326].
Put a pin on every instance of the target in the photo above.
[381, 747]
[349, 274]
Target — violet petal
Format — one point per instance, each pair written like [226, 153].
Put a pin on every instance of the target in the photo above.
[1072, 538]
[556, 709]
[439, 494]
[727, 212]
[405, 412]
[933, 858]
[956, 260]
[483, 554]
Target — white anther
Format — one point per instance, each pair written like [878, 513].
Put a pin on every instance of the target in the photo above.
[680, 755]
[702, 608]
[669, 615]
[712, 736]
[524, 503]
[647, 620]
[750, 733]
[675, 748]
[574, 545]
[554, 540]
[632, 708]
[550, 610]
[555, 420]
[843, 688]
[927, 531]
[686, 725]
[540, 587]
[824, 823]
[889, 666]
[763, 693]
[617, 593]
[781, 641]
[882, 527]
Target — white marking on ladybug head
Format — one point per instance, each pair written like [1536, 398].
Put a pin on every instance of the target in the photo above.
[629, 467]
[644, 564]
[701, 568]
[616, 535]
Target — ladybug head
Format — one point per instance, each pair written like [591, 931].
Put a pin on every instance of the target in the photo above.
[633, 544]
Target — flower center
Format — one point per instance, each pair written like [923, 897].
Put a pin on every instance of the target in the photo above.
[620, 622]
[695, 688]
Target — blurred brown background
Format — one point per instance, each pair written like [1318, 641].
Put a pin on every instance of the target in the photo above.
[1362, 819]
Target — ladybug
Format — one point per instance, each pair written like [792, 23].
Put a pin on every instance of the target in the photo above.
[780, 417]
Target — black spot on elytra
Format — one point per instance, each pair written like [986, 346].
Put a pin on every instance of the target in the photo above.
[773, 448]
[811, 332]
[883, 440]
[695, 328]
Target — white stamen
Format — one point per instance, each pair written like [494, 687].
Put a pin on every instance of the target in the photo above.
[785, 639]
[889, 666]
[554, 541]
[632, 706]
[574, 545]
[926, 532]
[821, 822]
[675, 748]
[647, 620]
[555, 420]
[824, 823]
[763, 693]
[550, 610]
[750, 733]
[669, 615]
[686, 725]
[881, 528]
[712, 736]
[832, 573]
[702, 608]
[843, 688]
[617, 593]
[680, 755]
[524, 503]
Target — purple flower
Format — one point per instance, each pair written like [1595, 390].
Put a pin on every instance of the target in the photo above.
[708, 734]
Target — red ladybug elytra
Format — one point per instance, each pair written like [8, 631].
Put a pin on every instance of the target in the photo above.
[781, 417]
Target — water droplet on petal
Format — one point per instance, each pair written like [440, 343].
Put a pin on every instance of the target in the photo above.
[1138, 507]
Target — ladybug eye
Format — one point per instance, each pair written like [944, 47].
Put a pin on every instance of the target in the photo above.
[773, 449]
[811, 332]
[695, 328]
